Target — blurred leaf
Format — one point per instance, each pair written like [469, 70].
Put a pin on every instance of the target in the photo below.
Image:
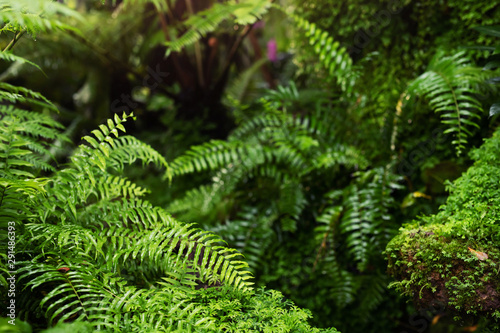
[494, 109]
[492, 31]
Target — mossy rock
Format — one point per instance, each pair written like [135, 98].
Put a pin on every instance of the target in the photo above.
[453, 258]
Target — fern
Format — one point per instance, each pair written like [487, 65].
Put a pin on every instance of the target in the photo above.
[272, 138]
[372, 290]
[251, 11]
[258, 196]
[353, 227]
[237, 89]
[90, 235]
[366, 222]
[200, 24]
[35, 16]
[451, 86]
[7, 56]
[333, 57]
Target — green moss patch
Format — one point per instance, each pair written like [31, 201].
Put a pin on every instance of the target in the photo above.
[453, 257]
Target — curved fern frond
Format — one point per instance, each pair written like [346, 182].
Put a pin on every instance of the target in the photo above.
[250, 233]
[14, 94]
[201, 24]
[251, 11]
[451, 86]
[326, 231]
[155, 251]
[258, 123]
[372, 292]
[333, 57]
[118, 151]
[208, 199]
[7, 56]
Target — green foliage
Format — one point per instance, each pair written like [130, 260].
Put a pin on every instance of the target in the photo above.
[451, 85]
[493, 61]
[94, 249]
[333, 57]
[106, 234]
[34, 16]
[89, 249]
[24, 142]
[392, 43]
[451, 257]
[263, 197]
[303, 182]
[366, 222]
[262, 311]
[266, 311]
[200, 24]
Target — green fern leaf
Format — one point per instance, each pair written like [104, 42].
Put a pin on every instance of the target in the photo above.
[450, 85]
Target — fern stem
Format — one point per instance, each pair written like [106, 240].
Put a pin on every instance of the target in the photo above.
[14, 40]
[77, 295]
[457, 107]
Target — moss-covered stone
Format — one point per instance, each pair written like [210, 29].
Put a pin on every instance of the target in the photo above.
[453, 257]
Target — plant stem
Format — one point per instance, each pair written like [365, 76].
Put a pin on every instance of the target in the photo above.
[14, 40]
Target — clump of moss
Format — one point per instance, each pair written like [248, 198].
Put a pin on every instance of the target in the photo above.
[453, 257]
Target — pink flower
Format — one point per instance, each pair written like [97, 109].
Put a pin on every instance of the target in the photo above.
[272, 49]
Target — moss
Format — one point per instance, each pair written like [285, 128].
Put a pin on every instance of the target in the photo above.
[453, 257]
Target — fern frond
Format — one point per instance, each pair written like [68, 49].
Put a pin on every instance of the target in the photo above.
[372, 291]
[342, 285]
[21, 151]
[7, 56]
[114, 153]
[250, 233]
[251, 11]
[204, 198]
[204, 22]
[325, 232]
[84, 292]
[213, 155]
[366, 221]
[200, 24]
[160, 5]
[257, 124]
[237, 88]
[35, 16]
[20, 161]
[14, 94]
[333, 57]
[450, 85]
[341, 155]
[291, 204]
[207, 198]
